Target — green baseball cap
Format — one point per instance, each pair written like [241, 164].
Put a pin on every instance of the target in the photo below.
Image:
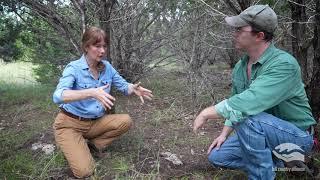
[259, 16]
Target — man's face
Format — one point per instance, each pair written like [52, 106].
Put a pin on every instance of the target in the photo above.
[243, 38]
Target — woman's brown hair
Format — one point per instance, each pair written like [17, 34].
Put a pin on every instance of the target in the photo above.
[92, 36]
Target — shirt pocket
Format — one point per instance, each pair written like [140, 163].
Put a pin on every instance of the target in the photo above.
[239, 85]
[86, 85]
[105, 82]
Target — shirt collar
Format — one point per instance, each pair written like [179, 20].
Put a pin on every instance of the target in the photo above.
[84, 65]
[83, 62]
[264, 57]
[266, 54]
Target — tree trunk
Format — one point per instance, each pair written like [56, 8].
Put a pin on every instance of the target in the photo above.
[313, 89]
[81, 7]
[105, 12]
[299, 44]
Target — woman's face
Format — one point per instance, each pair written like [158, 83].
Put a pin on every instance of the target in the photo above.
[96, 52]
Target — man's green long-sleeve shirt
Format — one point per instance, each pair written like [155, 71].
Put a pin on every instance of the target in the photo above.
[275, 87]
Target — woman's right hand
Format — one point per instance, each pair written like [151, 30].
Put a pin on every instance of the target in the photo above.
[105, 98]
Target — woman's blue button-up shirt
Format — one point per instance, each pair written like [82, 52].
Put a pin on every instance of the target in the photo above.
[76, 76]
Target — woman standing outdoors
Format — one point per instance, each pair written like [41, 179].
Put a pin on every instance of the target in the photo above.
[83, 95]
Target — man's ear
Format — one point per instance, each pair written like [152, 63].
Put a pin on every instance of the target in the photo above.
[260, 35]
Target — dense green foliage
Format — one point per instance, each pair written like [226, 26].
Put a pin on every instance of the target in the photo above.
[19, 41]
[10, 30]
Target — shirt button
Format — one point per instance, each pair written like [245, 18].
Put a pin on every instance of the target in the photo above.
[97, 106]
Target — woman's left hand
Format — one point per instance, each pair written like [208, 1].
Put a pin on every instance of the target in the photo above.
[142, 92]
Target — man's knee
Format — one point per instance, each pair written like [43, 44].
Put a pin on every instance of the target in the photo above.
[215, 158]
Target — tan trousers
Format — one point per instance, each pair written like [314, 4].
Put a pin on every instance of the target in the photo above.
[71, 134]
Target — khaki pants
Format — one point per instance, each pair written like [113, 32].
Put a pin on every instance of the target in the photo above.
[71, 134]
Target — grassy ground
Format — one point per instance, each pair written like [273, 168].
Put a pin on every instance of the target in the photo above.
[17, 73]
[162, 125]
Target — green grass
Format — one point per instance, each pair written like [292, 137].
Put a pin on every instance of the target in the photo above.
[16, 94]
[165, 87]
[17, 86]
[17, 73]
[23, 165]
[21, 102]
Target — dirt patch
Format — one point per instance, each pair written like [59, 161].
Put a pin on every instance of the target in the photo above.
[171, 135]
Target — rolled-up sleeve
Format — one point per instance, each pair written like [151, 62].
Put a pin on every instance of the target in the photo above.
[119, 82]
[232, 116]
[65, 82]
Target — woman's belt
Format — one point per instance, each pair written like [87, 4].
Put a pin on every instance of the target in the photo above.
[75, 116]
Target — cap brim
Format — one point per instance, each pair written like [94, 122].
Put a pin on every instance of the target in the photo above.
[236, 21]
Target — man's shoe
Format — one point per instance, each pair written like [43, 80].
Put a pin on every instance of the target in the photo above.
[96, 152]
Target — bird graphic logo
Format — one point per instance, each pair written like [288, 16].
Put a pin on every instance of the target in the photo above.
[289, 152]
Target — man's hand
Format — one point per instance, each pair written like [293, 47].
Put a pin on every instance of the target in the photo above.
[211, 113]
[142, 92]
[217, 143]
[207, 113]
[105, 98]
[199, 122]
